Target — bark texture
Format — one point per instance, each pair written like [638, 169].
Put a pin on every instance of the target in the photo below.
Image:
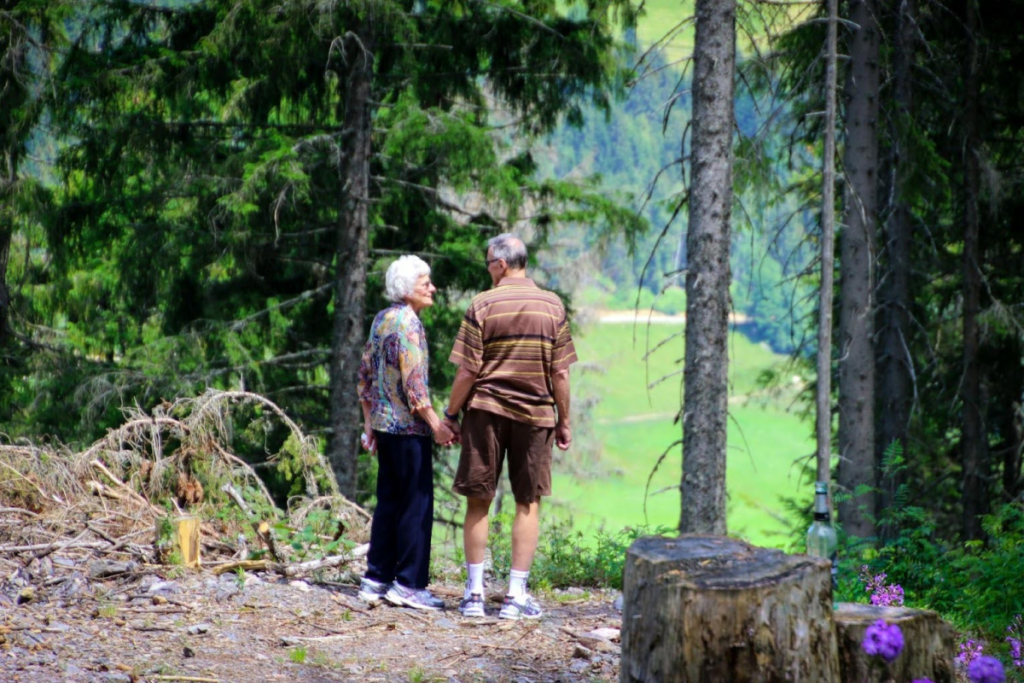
[705, 400]
[895, 365]
[350, 266]
[928, 647]
[975, 452]
[823, 391]
[710, 609]
[5, 295]
[856, 289]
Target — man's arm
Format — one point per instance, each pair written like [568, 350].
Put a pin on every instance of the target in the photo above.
[461, 387]
[560, 386]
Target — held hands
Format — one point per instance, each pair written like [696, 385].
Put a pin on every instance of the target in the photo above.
[456, 429]
[563, 436]
[443, 435]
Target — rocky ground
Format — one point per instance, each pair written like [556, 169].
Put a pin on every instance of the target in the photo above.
[161, 624]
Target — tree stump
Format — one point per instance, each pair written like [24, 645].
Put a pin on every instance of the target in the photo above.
[928, 645]
[188, 539]
[711, 609]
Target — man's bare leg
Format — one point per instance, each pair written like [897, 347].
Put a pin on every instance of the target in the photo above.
[525, 533]
[474, 540]
[474, 532]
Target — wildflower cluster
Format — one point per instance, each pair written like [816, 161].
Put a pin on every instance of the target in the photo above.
[883, 640]
[969, 651]
[882, 593]
[1016, 630]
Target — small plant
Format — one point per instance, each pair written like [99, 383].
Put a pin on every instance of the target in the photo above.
[882, 594]
[107, 611]
[416, 675]
[1016, 631]
[298, 655]
[240, 578]
[322, 659]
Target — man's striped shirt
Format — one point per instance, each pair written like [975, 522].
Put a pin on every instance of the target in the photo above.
[516, 336]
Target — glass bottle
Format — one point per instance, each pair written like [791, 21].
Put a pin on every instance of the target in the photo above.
[821, 537]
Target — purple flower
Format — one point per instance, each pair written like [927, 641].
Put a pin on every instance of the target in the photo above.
[969, 651]
[883, 640]
[1016, 653]
[882, 594]
[921, 680]
[1016, 630]
[986, 669]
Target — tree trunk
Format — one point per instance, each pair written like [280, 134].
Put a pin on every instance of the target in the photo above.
[350, 265]
[895, 365]
[856, 248]
[711, 609]
[5, 295]
[975, 455]
[823, 390]
[705, 399]
[927, 650]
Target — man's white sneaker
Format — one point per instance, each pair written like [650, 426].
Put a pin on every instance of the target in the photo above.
[523, 607]
[473, 606]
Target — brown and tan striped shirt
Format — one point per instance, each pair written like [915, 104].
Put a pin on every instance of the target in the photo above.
[516, 336]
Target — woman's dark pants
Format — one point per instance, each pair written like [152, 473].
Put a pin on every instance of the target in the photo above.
[404, 518]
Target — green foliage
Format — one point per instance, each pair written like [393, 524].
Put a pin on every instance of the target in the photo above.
[320, 536]
[565, 556]
[298, 654]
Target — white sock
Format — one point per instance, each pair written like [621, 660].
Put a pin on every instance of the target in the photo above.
[475, 580]
[517, 583]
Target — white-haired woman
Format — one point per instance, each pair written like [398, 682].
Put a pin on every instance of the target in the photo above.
[398, 422]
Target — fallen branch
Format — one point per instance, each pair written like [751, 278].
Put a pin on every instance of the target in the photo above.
[246, 565]
[234, 495]
[296, 640]
[124, 487]
[193, 679]
[18, 511]
[592, 642]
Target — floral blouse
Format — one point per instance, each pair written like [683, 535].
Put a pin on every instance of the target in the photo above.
[393, 375]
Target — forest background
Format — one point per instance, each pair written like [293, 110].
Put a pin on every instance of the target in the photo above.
[176, 214]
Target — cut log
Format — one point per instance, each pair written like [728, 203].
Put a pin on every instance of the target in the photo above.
[708, 609]
[188, 539]
[928, 645]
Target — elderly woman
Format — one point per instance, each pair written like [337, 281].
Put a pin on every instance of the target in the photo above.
[398, 422]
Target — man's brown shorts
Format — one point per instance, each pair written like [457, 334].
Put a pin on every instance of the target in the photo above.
[486, 437]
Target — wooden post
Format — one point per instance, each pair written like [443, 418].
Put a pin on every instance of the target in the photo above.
[928, 645]
[709, 609]
[188, 539]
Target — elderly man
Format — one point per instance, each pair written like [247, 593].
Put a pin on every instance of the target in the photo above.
[513, 351]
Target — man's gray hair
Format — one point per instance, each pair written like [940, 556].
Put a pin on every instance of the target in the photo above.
[509, 247]
[402, 275]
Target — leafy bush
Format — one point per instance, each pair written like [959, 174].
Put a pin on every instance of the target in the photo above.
[564, 557]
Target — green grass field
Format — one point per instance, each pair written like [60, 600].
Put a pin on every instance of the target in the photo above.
[632, 426]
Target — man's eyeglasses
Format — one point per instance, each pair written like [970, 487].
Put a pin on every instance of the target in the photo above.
[490, 261]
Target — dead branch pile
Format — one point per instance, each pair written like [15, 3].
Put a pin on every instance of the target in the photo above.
[106, 506]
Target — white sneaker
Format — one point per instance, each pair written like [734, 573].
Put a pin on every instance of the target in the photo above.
[372, 591]
[523, 607]
[473, 606]
[410, 597]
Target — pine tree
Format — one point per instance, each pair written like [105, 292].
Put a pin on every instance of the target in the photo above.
[705, 403]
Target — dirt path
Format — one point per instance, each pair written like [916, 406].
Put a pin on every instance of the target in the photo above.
[246, 629]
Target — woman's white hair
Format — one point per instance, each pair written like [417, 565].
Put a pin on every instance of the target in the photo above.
[402, 275]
